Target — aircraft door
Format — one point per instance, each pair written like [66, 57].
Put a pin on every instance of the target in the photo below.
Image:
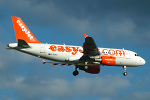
[42, 50]
[127, 55]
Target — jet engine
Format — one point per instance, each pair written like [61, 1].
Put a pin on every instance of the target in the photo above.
[108, 60]
[90, 69]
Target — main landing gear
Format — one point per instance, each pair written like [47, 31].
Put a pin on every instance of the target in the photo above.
[125, 73]
[76, 72]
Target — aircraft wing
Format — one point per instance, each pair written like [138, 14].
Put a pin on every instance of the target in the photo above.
[89, 47]
[90, 53]
[90, 50]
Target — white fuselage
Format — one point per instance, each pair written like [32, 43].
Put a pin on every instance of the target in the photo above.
[88, 57]
[71, 54]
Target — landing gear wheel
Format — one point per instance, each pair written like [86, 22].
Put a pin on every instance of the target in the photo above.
[125, 73]
[86, 67]
[75, 73]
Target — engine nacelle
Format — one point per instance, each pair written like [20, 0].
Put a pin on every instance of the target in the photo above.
[108, 60]
[90, 69]
[93, 69]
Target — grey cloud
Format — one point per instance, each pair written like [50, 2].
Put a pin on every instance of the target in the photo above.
[83, 9]
[94, 11]
[9, 56]
[10, 62]
[116, 19]
[40, 88]
[139, 96]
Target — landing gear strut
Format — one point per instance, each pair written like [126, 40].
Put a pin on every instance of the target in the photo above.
[76, 72]
[86, 67]
[125, 73]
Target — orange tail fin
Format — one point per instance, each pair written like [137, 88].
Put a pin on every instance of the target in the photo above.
[22, 31]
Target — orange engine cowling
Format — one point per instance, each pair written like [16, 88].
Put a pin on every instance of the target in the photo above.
[93, 69]
[108, 60]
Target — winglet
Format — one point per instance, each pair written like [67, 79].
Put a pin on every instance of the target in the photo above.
[85, 35]
[44, 61]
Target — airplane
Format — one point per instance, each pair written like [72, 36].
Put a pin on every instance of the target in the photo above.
[87, 58]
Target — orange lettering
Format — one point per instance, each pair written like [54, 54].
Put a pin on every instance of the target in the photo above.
[112, 52]
[68, 49]
[75, 49]
[105, 53]
[53, 47]
[120, 52]
[60, 48]
[81, 51]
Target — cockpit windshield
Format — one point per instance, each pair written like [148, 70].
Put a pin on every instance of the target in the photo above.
[136, 55]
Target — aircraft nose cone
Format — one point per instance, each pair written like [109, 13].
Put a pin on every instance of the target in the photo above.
[143, 61]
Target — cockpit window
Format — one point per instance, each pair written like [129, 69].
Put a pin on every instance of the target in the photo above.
[136, 55]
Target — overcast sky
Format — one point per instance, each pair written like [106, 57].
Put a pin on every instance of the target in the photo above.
[112, 23]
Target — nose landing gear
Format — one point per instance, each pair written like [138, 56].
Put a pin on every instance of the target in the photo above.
[125, 73]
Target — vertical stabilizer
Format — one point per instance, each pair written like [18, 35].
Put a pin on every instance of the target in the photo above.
[22, 31]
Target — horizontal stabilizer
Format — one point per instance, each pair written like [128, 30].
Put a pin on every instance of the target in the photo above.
[55, 63]
[9, 48]
[22, 43]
